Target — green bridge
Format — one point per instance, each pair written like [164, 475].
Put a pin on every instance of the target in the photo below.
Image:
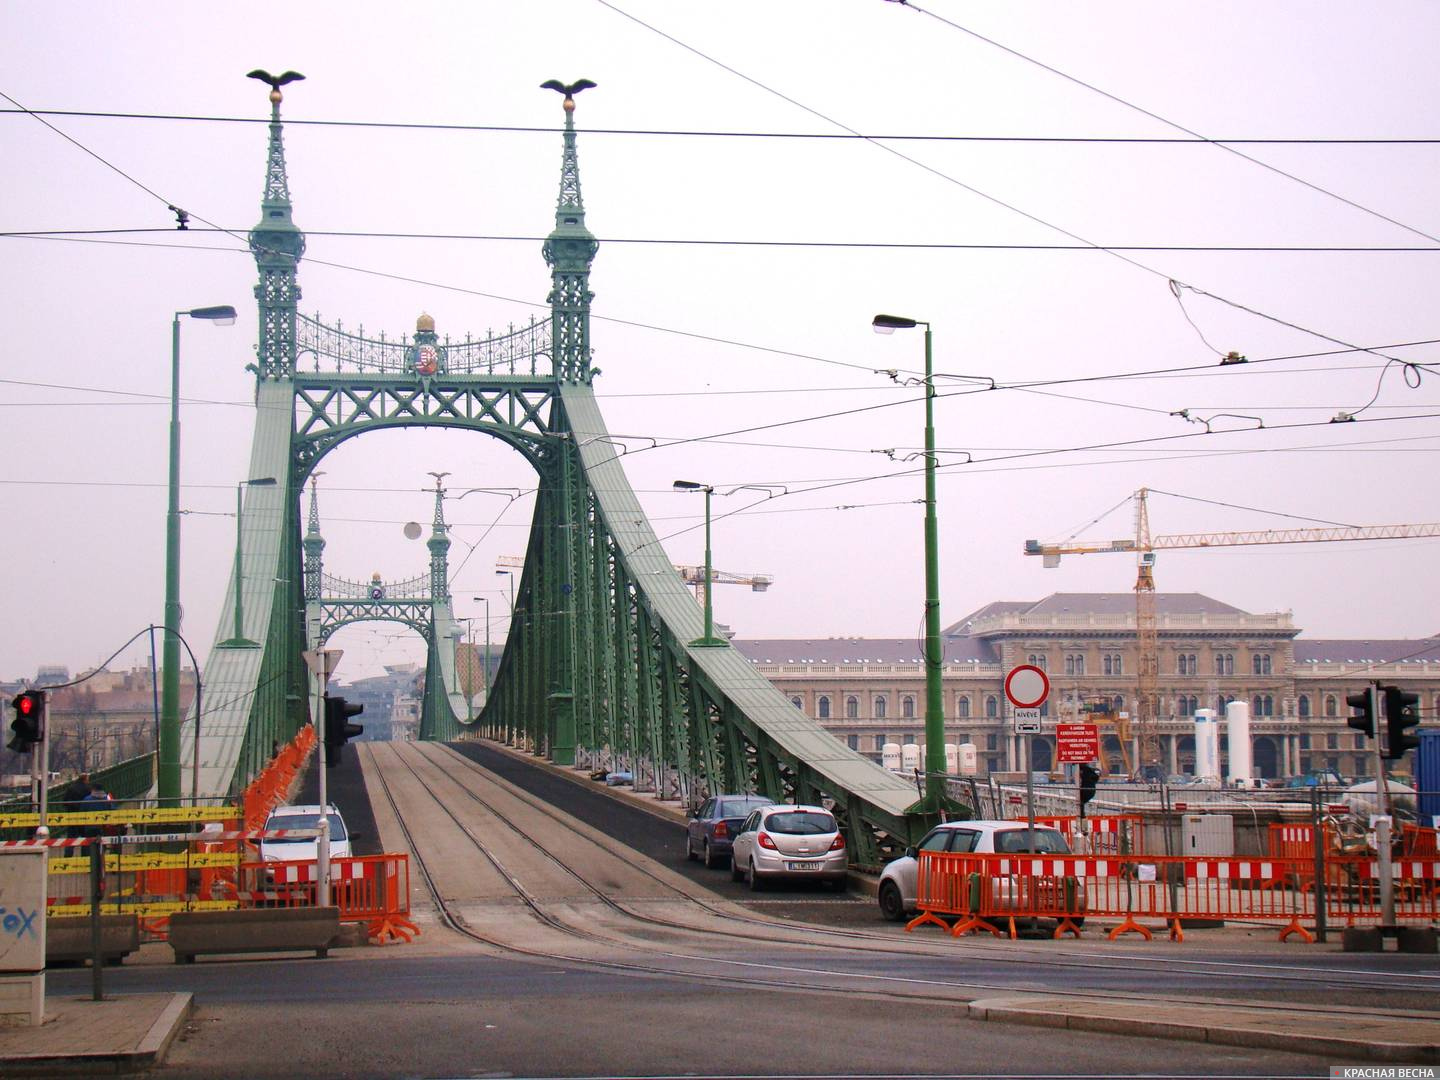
[602, 662]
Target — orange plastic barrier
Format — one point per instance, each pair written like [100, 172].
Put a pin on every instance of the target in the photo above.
[1417, 841]
[373, 889]
[1109, 834]
[272, 786]
[1352, 889]
[981, 891]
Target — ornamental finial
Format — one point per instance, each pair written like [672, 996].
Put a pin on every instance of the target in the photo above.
[275, 81]
[569, 91]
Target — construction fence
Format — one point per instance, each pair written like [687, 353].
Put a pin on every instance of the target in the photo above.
[964, 893]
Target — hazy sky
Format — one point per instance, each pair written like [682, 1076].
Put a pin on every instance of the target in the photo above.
[734, 287]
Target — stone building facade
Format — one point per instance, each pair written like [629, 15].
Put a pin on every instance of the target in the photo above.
[870, 691]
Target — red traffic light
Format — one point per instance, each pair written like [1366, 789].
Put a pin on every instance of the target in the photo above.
[26, 705]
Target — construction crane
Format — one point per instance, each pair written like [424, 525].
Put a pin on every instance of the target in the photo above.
[1144, 547]
[694, 576]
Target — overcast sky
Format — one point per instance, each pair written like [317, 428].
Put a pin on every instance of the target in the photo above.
[734, 286]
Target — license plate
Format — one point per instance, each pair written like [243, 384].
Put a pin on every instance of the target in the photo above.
[802, 866]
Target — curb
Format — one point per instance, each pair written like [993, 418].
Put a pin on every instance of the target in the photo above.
[1386, 1037]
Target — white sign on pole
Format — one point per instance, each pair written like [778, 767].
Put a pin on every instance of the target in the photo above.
[323, 662]
[1027, 721]
[1027, 686]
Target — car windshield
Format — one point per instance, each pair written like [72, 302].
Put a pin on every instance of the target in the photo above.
[304, 821]
[800, 823]
[738, 807]
[1031, 841]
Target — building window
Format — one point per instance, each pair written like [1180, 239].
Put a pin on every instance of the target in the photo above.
[1302, 706]
[1186, 664]
[990, 742]
[797, 703]
[1269, 705]
[907, 707]
[1224, 663]
[909, 738]
[852, 708]
[962, 707]
[1074, 663]
[1359, 742]
[1332, 742]
[879, 708]
[879, 742]
[1304, 740]
[823, 708]
[1113, 664]
[992, 709]
[1329, 704]
[1260, 664]
[1037, 660]
[853, 741]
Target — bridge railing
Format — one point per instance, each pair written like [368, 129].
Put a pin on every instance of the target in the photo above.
[519, 351]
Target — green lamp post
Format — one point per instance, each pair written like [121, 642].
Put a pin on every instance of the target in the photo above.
[708, 640]
[168, 772]
[934, 703]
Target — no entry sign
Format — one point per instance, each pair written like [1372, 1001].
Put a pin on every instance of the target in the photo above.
[1076, 744]
[1027, 686]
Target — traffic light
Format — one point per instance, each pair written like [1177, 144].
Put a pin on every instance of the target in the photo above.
[1402, 710]
[29, 722]
[1089, 777]
[1364, 719]
[338, 729]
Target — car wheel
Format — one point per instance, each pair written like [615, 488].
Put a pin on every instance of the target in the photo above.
[735, 872]
[755, 885]
[892, 904]
[712, 861]
[689, 851]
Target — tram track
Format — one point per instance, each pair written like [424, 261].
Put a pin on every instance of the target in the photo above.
[824, 940]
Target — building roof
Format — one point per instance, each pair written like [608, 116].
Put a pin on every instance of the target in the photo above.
[860, 651]
[1348, 651]
[1095, 604]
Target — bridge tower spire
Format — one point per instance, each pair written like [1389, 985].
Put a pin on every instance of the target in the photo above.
[277, 245]
[313, 543]
[569, 250]
[439, 545]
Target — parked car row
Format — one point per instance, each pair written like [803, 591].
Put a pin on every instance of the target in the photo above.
[765, 841]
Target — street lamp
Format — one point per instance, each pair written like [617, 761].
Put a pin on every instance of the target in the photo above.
[240, 641]
[486, 601]
[168, 774]
[511, 575]
[708, 640]
[934, 798]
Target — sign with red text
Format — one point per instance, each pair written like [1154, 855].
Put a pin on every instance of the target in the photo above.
[1076, 744]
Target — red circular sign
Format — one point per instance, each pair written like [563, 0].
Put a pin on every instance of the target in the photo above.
[1027, 686]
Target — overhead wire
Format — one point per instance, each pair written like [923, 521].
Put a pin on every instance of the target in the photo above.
[681, 132]
[941, 174]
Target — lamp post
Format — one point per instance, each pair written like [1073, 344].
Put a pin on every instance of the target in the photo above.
[240, 641]
[708, 640]
[511, 575]
[486, 601]
[168, 774]
[934, 798]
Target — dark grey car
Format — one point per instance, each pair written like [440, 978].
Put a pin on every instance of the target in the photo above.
[712, 827]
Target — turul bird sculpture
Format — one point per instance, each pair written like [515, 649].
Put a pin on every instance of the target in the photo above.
[275, 81]
[569, 91]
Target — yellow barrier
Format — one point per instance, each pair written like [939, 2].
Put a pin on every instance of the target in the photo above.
[124, 815]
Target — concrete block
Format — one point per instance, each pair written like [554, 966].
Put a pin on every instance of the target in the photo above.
[251, 930]
[67, 938]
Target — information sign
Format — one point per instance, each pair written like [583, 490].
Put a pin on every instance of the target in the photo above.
[1027, 721]
[1076, 744]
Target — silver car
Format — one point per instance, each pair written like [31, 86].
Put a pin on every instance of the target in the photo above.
[897, 882]
[789, 842]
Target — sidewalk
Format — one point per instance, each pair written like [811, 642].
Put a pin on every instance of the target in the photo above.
[124, 1033]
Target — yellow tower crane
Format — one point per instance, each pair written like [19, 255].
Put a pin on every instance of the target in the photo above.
[1144, 547]
[695, 577]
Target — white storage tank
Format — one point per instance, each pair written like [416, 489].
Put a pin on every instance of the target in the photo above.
[890, 756]
[969, 759]
[952, 758]
[909, 758]
[1237, 734]
[1207, 745]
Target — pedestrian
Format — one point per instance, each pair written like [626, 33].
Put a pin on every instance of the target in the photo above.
[71, 798]
[97, 799]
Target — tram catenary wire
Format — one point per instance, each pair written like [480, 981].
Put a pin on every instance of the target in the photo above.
[1004, 953]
